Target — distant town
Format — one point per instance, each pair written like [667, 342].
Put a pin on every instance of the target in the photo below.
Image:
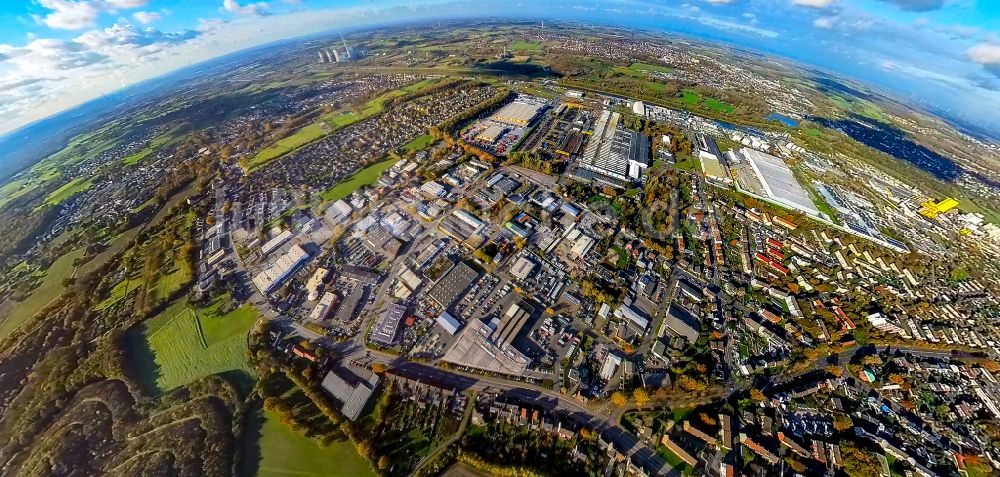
[458, 264]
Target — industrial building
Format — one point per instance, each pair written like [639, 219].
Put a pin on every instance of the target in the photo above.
[352, 393]
[322, 309]
[452, 284]
[932, 209]
[510, 324]
[462, 226]
[682, 323]
[519, 113]
[273, 276]
[778, 182]
[614, 156]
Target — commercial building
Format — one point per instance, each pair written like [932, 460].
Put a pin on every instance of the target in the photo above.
[778, 182]
[492, 133]
[523, 268]
[273, 276]
[315, 283]
[387, 328]
[322, 309]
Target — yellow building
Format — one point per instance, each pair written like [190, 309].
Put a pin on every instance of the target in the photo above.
[932, 209]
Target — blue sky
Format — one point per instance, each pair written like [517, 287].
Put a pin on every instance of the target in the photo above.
[942, 54]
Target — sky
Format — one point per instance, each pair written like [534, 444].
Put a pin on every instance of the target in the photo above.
[937, 54]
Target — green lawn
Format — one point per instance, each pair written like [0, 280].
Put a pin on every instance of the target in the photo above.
[363, 177]
[674, 461]
[523, 45]
[50, 289]
[68, 190]
[420, 143]
[283, 452]
[186, 344]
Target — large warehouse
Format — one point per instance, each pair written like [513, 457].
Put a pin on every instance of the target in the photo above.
[614, 156]
[778, 181]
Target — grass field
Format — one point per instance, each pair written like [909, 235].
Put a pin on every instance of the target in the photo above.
[283, 452]
[363, 177]
[186, 344]
[68, 190]
[522, 45]
[694, 99]
[419, 144]
[649, 67]
[301, 137]
[50, 289]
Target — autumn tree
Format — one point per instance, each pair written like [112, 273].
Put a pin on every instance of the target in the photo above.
[757, 395]
[384, 462]
[364, 448]
[618, 399]
[379, 368]
[641, 397]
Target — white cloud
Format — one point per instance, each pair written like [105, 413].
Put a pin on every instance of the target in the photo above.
[826, 22]
[67, 15]
[720, 2]
[813, 3]
[80, 14]
[256, 8]
[985, 53]
[147, 17]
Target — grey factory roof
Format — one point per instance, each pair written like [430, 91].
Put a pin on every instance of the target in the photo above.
[452, 284]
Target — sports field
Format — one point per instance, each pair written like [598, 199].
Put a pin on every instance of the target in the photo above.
[363, 177]
[50, 289]
[186, 344]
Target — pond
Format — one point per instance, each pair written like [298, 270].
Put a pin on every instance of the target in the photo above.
[781, 118]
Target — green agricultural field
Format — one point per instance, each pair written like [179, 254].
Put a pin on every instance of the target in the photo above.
[50, 289]
[420, 143]
[282, 452]
[522, 45]
[68, 190]
[366, 176]
[186, 344]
